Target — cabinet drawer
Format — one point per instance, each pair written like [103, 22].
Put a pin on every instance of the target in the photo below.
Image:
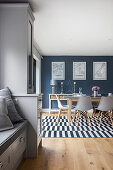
[10, 158]
[5, 160]
[19, 145]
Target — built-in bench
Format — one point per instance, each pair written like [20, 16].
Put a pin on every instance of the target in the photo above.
[13, 146]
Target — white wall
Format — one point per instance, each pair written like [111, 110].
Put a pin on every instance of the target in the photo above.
[74, 27]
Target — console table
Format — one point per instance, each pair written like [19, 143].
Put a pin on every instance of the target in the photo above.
[69, 98]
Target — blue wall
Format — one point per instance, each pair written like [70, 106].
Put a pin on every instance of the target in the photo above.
[106, 85]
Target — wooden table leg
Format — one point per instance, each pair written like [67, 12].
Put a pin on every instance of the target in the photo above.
[59, 116]
[69, 110]
[49, 105]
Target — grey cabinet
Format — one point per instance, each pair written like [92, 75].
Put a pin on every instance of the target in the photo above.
[13, 155]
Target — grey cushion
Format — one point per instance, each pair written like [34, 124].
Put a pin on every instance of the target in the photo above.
[3, 106]
[5, 122]
[12, 112]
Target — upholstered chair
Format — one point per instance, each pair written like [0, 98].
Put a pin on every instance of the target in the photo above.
[105, 108]
[84, 107]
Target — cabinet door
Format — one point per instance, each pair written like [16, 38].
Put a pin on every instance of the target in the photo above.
[30, 58]
[5, 160]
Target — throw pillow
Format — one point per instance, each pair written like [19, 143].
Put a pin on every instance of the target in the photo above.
[12, 112]
[5, 122]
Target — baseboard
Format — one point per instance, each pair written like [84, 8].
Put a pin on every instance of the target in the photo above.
[46, 110]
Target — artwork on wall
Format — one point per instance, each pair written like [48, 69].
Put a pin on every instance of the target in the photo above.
[79, 70]
[58, 70]
[99, 70]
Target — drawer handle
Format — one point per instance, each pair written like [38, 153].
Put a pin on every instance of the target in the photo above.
[1, 165]
[22, 139]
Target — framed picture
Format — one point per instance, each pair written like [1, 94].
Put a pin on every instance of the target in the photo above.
[99, 70]
[58, 70]
[79, 70]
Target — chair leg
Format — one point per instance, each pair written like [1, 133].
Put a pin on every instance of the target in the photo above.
[76, 117]
[97, 118]
[105, 118]
[89, 120]
[74, 114]
[58, 116]
[94, 114]
[94, 117]
[78, 120]
[110, 117]
[71, 122]
[100, 119]
[85, 116]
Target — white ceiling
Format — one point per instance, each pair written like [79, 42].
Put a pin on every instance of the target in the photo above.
[74, 27]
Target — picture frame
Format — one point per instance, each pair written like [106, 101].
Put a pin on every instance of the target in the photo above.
[99, 70]
[79, 70]
[58, 70]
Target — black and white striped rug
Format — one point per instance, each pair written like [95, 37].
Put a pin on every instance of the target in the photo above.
[51, 129]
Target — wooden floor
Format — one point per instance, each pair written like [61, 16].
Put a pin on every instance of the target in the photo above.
[72, 154]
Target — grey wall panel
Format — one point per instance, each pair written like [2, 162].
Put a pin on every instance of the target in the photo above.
[13, 44]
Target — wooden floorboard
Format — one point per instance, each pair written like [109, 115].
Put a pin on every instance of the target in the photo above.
[72, 154]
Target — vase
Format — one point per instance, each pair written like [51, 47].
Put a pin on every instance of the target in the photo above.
[95, 93]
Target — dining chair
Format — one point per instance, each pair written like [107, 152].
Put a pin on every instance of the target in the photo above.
[61, 108]
[105, 108]
[111, 114]
[84, 107]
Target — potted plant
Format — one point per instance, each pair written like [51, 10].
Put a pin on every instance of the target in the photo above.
[95, 90]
